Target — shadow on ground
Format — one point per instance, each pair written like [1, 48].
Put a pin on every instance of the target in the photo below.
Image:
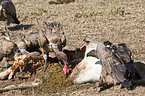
[20, 27]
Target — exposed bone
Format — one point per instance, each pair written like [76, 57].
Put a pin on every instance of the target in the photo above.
[21, 57]
[10, 75]
[5, 74]
[26, 58]
[34, 83]
[20, 61]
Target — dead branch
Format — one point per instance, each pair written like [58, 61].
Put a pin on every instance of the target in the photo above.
[34, 83]
[6, 73]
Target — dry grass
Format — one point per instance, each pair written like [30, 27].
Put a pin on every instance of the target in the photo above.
[99, 20]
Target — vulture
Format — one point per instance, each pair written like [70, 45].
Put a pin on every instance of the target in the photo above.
[8, 13]
[8, 49]
[52, 39]
[117, 62]
[122, 64]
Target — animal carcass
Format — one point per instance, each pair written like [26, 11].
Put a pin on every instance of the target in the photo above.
[22, 61]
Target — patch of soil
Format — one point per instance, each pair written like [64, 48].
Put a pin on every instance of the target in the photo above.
[53, 79]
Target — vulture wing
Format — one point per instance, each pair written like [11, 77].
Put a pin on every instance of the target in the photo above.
[118, 63]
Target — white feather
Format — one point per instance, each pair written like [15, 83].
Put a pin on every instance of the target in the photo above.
[91, 69]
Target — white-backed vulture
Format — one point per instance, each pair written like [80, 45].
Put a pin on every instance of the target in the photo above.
[89, 69]
[117, 62]
[53, 41]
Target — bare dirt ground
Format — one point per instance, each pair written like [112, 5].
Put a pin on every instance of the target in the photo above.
[99, 20]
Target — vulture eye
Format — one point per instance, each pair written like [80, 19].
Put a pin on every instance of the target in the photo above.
[107, 43]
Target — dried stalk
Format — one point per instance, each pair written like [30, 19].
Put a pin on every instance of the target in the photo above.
[34, 83]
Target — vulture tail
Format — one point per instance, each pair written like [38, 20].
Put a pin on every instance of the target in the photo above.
[16, 21]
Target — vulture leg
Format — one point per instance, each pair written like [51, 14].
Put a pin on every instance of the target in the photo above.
[5, 24]
[104, 86]
[139, 81]
[45, 62]
[45, 57]
[59, 61]
[6, 30]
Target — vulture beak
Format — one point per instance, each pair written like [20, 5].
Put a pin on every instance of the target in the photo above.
[61, 56]
[65, 70]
